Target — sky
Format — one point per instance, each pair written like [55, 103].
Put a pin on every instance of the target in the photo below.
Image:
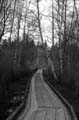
[44, 6]
[46, 22]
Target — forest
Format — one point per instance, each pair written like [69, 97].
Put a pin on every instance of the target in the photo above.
[31, 33]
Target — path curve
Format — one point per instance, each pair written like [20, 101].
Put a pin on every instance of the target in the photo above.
[43, 103]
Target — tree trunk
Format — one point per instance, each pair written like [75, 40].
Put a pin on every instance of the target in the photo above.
[53, 34]
[2, 33]
[39, 22]
[12, 20]
[59, 27]
[64, 38]
[38, 54]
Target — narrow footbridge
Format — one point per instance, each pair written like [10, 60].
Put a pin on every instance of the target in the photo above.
[43, 103]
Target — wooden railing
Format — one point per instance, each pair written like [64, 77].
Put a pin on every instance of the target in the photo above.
[19, 109]
[64, 101]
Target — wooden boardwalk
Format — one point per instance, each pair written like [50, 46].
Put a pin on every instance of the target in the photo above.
[43, 103]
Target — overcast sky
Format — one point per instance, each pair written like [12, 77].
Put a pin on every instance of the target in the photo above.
[46, 22]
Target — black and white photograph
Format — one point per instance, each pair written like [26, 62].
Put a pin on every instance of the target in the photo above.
[39, 59]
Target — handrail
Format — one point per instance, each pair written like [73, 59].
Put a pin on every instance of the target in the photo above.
[16, 113]
[65, 102]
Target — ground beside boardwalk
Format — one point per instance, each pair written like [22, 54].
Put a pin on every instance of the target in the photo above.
[65, 90]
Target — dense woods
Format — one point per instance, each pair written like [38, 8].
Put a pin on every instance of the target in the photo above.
[24, 43]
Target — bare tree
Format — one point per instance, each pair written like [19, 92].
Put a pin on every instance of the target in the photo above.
[12, 19]
[24, 29]
[4, 15]
[53, 31]
[39, 22]
[59, 27]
